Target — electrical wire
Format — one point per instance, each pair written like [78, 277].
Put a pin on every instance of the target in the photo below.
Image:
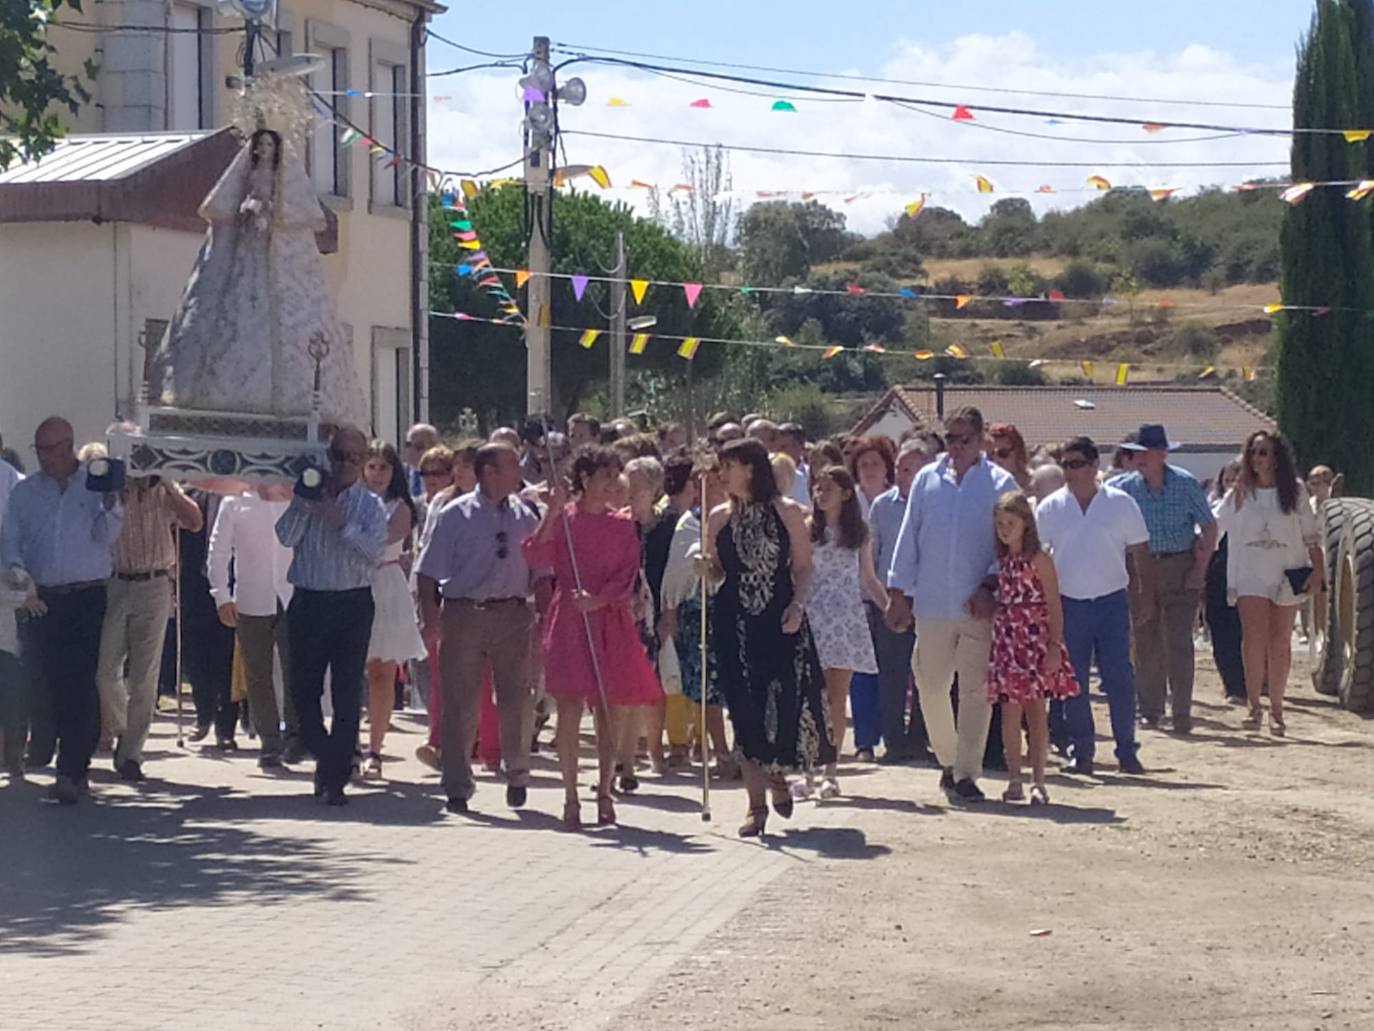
[573, 49]
[912, 159]
[473, 50]
[471, 68]
[82, 26]
[1070, 139]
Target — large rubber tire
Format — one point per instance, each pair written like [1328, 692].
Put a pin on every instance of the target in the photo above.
[1354, 593]
[1325, 651]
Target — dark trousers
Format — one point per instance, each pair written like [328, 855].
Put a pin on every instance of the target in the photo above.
[14, 700]
[66, 646]
[207, 659]
[902, 734]
[329, 631]
[1223, 620]
[865, 710]
[1100, 627]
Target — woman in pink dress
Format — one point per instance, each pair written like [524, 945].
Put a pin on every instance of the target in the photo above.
[1028, 663]
[593, 587]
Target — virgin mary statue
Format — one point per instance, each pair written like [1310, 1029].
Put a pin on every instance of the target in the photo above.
[255, 332]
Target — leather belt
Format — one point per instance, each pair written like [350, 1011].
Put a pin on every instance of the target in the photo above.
[487, 603]
[84, 585]
[141, 578]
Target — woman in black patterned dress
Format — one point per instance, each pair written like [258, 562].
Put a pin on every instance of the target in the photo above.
[764, 653]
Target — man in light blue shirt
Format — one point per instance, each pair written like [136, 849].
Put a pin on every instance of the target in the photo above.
[59, 532]
[338, 540]
[942, 574]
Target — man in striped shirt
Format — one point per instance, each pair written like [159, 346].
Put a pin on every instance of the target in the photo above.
[338, 539]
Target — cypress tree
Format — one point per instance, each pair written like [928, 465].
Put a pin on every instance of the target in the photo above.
[1326, 363]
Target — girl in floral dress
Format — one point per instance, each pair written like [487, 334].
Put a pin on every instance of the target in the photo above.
[1029, 662]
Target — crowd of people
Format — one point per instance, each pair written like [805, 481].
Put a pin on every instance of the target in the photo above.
[748, 596]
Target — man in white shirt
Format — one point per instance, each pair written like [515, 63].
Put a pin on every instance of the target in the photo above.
[245, 532]
[1089, 531]
[9, 476]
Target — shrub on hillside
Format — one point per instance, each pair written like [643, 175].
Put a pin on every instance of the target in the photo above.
[1082, 278]
[805, 403]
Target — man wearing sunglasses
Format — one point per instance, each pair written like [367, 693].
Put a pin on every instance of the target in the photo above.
[474, 559]
[338, 539]
[1089, 532]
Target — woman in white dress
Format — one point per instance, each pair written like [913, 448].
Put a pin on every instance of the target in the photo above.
[395, 632]
[1272, 564]
[842, 558]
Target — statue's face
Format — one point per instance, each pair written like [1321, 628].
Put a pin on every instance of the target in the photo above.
[265, 148]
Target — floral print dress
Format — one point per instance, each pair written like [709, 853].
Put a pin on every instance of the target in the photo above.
[1020, 638]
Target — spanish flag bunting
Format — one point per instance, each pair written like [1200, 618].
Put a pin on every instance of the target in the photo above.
[984, 184]
[1099, 182]
[923, 356]
[914, 208]
[639, 343]
[785, 341]
[617, 102]
[961, 114]
[1295, 193]
[1162, 194]
[640, 184]
[637, 288]
[1087, 368]
[688, 348]
[1122, 371]
[521, 275]
[1269, 309]
[956, 351]
[600, 176]
[830, 352]
[1153, 127]
[1247, 373]
[1361, 189]
[588, 337]
[703, 102]
[681, 188]
[961, 299]
[1355, 135]
[875, 348]
[1208, 372]
[997, 351]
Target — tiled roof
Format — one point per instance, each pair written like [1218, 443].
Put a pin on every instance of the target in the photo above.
[1198, 417]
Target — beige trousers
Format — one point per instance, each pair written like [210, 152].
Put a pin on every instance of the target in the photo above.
[945, 647]
[135, 630]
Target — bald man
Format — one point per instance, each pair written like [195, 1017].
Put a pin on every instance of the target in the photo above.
[59, 532]
[338, 539]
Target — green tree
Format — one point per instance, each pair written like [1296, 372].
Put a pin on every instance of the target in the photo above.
[779, 241]
[1010, 229]
[1326, 364]
[29, 84]
[482, 366]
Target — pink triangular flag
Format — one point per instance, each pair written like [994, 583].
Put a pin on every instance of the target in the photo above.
[703, 102]
[962, 114]
[693, 291]
[579, 283]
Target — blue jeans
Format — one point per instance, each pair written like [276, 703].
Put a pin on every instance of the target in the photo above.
[865, 710]
[1100, 627]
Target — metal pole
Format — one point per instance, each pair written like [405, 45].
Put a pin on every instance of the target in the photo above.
[250, 42]
[176, 573]
[618, 316]
[705, 680]
[538, 157]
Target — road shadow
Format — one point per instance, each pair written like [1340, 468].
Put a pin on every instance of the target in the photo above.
[871, 803]
[1055, 812]
[826, 843]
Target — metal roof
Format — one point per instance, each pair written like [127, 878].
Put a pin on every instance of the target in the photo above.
[101, 157]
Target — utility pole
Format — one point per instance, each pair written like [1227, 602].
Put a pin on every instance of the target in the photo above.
[618, 329]
[538, 159]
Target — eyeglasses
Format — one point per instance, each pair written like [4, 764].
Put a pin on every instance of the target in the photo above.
[429, 473]
[1074, 463]
[501, 549]
[959, 439]
[355, 457]
[1262, 452]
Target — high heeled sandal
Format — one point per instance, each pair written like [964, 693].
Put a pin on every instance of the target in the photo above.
[1255, 720]
[1014, 793]
[1039, 795]
[1276, 725]
[572, 816]
[373, 769]
[754, 826]
[605, 811]
[782, 797]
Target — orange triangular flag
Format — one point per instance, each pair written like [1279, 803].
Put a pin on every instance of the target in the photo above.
[521, 275]
[961, 299]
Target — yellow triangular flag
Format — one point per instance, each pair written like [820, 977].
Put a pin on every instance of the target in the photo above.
[639, 343]
[923, 356]
[1247, 373]
[961, 299]
[521, 275]
[637, 287]
[470, 188]
[688, 348]
[1087, 368]
[1208, 372]
[831, 351]
[997, 351]
[1355, 135]
[984, 184]
[955, 351]
[1361, 190]
[470, 245]
[1269, 309]
[588, 337]
[785, 341]
[914, 208]
[616, 102]
[600, 176]
[1122, 371]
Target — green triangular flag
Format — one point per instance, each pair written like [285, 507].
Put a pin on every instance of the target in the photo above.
[783, 105]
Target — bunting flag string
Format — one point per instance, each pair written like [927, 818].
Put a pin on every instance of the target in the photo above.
[476, 264]
[692, 292]
[688, 346]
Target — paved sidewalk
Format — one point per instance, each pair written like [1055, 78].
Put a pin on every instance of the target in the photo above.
[216, 896]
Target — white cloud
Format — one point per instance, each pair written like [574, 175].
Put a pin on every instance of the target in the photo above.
[474, 124]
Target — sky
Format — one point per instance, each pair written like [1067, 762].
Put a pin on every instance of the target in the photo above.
[1219, 51]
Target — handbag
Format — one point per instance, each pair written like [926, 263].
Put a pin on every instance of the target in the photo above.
[1298, 577]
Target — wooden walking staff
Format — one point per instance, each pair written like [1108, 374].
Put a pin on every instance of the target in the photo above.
[176, 588]
[705, 732]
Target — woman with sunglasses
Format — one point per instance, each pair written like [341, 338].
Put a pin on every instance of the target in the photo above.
[1007, 448]
[395, 629]
[1274, 561]
[592, 647]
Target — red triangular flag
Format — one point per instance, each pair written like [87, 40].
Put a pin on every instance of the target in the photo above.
[962, 114]
[693, 291]
[854, 288]
[1056, 295]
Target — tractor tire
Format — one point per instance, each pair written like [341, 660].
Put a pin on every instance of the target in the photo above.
[1354, 593]
[1325, 650]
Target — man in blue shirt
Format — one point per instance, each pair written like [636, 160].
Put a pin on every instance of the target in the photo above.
[1183, 535]
[59, 532]
[942, 574]
[338, 539]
